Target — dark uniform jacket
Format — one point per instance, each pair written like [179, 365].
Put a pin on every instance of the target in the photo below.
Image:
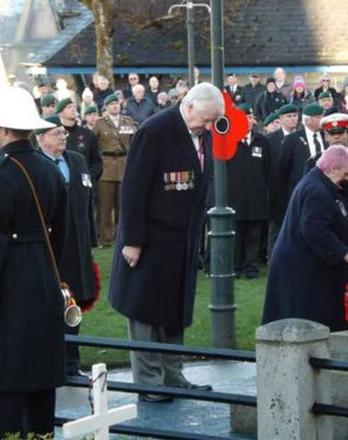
[83, 140]
[292, 159]
[247, 179]
[76, 264]
[113, 143]
[31, 304]
[163, 204]
[277, 195]
[236, 95]
[308, 256]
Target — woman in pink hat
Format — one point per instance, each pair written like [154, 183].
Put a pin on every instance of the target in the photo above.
[300, 96]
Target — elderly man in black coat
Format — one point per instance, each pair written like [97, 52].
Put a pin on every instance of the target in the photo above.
[163, 203]
[308, 269]
[32, 347]
[76, 266]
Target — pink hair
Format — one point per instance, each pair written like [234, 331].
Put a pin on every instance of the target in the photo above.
[334, 158]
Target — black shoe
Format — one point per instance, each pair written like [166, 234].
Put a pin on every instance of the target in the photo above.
[194, 386]
[155, 398]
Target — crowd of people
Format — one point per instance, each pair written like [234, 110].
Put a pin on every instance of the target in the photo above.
[135, 165]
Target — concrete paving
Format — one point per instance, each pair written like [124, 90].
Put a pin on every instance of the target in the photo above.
[186, 415]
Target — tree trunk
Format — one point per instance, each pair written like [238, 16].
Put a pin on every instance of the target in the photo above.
[103, 13]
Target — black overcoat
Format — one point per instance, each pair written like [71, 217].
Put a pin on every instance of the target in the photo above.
[84, 141]
[247, 179]
[31, 304]
[307, 260]
[277, 191]
[76, 263]
[164, 220]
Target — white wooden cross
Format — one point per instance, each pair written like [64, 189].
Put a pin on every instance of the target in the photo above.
[100, 421]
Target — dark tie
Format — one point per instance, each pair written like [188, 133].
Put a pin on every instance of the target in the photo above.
[56, 161]
[200, 151]
[316, 143]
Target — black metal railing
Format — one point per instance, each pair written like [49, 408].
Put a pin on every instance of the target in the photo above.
[332, 365]
[184, 393]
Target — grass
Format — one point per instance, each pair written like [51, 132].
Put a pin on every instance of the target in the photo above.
[106, 322]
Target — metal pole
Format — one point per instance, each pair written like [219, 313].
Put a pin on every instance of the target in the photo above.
[221, 235]
[190, 41]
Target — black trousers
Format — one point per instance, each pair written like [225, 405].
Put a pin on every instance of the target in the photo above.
[72, 352]
[26, 413]
[247, 246]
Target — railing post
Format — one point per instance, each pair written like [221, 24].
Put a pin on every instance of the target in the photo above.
[287, 386]
[339, 350]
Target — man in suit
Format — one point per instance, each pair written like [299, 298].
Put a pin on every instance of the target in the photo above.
[32, 306]
[298, 147]
[163, 203]
[277, 199]
[113, 132]
[233, 88]
[76, 267]
[247, 180]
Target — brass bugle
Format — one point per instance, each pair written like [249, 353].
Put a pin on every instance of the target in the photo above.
[72, 312]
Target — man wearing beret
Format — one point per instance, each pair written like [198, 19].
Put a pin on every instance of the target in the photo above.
[297, 147]
[80, 139]
[113, 132]
[76, 266]
[32, 307]
[90, 116]
[325, 100]
[48, 105]
[271, 123]
[277, 199]
[247, 177]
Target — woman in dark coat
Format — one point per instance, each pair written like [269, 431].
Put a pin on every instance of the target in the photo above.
[309, 262]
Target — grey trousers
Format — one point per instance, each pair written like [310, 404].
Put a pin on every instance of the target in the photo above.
[156, 368]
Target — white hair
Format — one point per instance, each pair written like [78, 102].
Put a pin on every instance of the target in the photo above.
[138, 87]
[205, 97]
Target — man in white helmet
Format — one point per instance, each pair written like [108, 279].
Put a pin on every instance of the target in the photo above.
[31, 304]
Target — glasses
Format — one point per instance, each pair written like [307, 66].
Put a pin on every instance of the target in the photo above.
[133, 78]
[326, 80]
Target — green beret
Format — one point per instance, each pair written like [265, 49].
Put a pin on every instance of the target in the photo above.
[270, 118]
[60, 106]
[110, 98]
[90, 109]
[246, 108]
[313, 110]
[326, 94]
[53, 119]
[287, 108]
[47, 100]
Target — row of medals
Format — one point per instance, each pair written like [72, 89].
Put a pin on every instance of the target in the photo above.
[180, 180]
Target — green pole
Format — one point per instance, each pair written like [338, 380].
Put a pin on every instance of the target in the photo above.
[221, 235]
[190, 41]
